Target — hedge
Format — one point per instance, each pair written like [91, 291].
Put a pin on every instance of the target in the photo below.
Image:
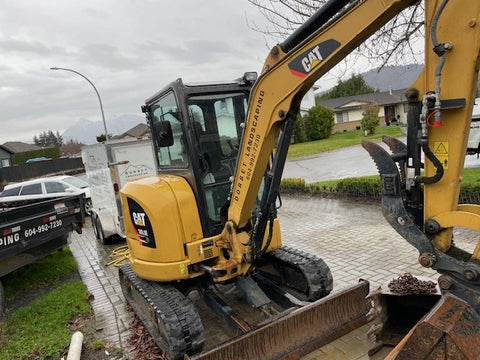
[363, 188]
[51, 153]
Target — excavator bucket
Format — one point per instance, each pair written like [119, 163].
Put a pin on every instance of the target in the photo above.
[301, 331]
[398, 305]
[451, 330]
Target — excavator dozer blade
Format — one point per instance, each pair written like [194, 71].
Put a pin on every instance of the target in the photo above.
[301, 331]
[451, 330]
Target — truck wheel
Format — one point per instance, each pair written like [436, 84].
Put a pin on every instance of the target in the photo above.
[88, 207]
[97, 229]
[2, 299]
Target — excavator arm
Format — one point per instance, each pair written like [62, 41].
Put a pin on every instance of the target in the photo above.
[290, 70]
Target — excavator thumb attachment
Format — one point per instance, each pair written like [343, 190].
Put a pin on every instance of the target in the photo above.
[302, 330]
[451, 330]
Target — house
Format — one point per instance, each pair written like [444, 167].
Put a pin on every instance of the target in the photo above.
[138, 131]
[308, 100]
[348, 110]
[13, 147]
[5, 157]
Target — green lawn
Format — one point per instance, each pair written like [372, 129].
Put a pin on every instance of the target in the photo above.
[337, 141]
[40, 329]
[45, 272]
[471, 176]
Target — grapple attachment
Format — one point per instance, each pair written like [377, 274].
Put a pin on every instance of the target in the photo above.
[301, 331]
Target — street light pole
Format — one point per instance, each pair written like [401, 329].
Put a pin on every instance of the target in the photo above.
[96, 91]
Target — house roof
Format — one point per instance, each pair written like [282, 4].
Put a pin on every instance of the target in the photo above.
[6, 149]
[357, 101]
[138, 130]
[18, 147]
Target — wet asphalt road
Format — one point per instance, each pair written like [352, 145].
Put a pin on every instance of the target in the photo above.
[352, 161]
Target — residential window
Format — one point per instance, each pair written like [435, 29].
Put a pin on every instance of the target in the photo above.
[342, 117]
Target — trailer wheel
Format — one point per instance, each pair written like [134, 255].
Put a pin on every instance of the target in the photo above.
[97, 229]
[2, 299]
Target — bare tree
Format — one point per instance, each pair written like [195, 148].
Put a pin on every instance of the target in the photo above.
[72, 147]
[393, 44]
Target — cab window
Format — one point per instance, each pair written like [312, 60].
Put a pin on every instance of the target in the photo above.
[166, 109]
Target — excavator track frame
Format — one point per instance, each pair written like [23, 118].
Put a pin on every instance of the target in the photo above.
[169, 316]
[304, 275]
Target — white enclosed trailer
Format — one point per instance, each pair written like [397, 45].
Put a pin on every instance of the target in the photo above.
[108, 167]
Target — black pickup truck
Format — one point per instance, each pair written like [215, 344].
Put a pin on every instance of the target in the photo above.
[32, 231]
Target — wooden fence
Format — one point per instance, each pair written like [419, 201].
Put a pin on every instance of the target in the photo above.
[43, 168]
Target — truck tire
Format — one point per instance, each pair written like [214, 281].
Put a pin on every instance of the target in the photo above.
[2, 299]
[97, 229]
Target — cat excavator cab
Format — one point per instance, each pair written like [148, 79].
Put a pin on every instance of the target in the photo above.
[207, 223]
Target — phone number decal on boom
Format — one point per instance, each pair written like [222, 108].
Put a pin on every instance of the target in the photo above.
[43, 228]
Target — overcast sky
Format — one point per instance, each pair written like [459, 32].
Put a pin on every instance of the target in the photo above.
[128, 48]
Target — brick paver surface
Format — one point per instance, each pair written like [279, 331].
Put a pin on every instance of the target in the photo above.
[352, 237]
[108, 303]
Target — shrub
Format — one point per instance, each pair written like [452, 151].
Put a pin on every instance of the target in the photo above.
[299, 132]
[319, 121]
[51, 153]
[293, 184]
[370, 119]
[364, 187]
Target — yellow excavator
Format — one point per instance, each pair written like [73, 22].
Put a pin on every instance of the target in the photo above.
[207, 223]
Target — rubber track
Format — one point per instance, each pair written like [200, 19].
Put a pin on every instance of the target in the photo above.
[182, 327]
[314, 270]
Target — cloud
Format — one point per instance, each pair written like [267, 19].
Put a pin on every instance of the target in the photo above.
[108, 56]
[128, 49]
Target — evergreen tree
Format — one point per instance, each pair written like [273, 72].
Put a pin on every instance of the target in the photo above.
[48, 139]
[356, 85]
[299, 133]
[320, 121]
[370, 119]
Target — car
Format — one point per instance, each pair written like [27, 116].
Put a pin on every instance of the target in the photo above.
[47, 187]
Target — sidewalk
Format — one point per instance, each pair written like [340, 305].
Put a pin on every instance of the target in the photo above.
[108, 303]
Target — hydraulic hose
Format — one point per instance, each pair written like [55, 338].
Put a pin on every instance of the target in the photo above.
[320, 18]
[438, 165]
[440, 49]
